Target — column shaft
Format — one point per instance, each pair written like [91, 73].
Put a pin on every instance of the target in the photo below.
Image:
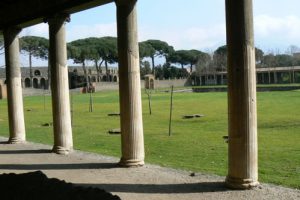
[132, 139]
[275, 77]
[14, 86]
[63, 142]
[242, 172]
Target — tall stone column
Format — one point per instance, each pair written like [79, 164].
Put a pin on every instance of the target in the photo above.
[132, 137]
[242, 151]
[14, 86]
[63, 142]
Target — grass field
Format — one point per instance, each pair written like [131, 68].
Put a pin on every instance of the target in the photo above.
[195, 144]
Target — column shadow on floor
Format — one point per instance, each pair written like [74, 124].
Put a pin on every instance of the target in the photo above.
[31, 151]
[60, 166]
[163, 188]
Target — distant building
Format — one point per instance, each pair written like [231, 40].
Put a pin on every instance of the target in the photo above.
[40, 78]
[267, 75]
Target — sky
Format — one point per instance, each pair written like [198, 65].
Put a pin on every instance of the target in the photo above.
[187, 24]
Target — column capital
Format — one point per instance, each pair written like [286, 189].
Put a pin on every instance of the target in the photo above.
[58, 18]
[11, 31]
[125, 2]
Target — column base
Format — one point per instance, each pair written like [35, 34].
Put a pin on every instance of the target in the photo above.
[131, 163]
[237, 183]
[61, 150]
[16, 140]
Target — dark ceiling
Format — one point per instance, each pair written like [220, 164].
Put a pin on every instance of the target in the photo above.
[25, 13]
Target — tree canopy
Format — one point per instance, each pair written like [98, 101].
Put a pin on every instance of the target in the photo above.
[104, 51]
[99, 50]
[161, 49]
[34, 46]
[220, 57]
[145, 50]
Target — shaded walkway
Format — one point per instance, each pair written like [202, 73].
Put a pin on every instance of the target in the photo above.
[149, 182]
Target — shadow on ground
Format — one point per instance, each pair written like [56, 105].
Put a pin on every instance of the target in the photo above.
[62, 166]
[38, 151]
[37, 186]
[163, 188]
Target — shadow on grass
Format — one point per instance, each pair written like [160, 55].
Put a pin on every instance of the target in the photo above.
[163, 188]
[60, 166]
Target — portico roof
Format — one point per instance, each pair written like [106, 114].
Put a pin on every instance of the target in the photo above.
[26, 13]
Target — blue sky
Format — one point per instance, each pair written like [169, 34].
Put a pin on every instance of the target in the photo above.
[188, 24]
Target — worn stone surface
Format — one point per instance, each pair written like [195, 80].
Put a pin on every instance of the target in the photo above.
[242, 117]
[132, 138]
[63, 141]
[14, 88]
[148, 183]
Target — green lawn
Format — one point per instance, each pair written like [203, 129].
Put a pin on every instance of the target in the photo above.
[195, 144]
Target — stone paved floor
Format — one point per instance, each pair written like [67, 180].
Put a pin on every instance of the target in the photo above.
[148, 182]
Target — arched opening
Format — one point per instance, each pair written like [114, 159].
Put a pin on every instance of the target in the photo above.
[27, 83]
[115, 79]
[37, 72]
[152, 84]
[35, 83]
[43, 83]
[93, 79]
[104, 78]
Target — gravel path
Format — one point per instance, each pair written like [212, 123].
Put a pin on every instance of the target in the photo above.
[150, 182]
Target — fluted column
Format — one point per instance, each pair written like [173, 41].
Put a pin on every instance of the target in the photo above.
[14, 86]
[132, 139]
[243, 170]
[63, 142]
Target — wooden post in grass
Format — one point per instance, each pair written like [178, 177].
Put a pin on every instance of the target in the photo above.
[91, 102]
[242, 127]
[72, 108]
[149, 92]
[44, 99]
[171, 108]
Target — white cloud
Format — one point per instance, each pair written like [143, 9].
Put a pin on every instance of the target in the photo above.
[190, 38]
[285, 29]
[41, 30]
[74, 32]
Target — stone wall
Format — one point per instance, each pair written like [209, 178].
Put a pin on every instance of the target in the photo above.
[158, 84]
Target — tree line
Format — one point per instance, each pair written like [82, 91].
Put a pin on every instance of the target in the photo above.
[103, 51]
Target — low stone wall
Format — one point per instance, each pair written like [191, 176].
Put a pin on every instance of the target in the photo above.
[258, 89]
[169, 83]
[101, 86]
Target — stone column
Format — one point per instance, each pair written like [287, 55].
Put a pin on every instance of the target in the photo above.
[132, 137]
[222, 79]
[242, 161]
[14, 86]
[293, 75]
[63, 142]
[275, 77]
